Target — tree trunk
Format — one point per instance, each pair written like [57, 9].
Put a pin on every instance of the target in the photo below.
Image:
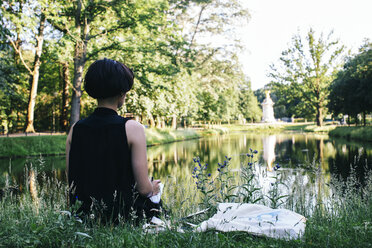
[65, 84]
[364, 118]
[174, 122]
[319, 116]
[152, 121]
[79, 63]
[78, 79]
[35, 76]
[158, 122]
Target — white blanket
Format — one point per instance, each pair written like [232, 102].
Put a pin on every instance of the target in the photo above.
[256, 219]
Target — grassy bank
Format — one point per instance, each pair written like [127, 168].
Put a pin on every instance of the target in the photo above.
[36, 218]
[357, 133]
[222, 129]
[32, 145]
[161, 136]
[267, 128]
[55, 144]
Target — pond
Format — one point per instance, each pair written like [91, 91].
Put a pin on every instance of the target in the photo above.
[307, 161]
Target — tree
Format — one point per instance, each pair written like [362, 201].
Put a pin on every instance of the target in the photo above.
[89, 24]
[352, 88]
[309, 69]
[248, 103]
[20, 23]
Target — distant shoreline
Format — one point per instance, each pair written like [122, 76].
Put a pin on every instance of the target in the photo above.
[49, 144]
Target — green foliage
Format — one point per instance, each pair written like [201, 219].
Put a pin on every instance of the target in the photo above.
[302, 77]
[229, 186]
[178, 75]
[13, 103]
[351, 90]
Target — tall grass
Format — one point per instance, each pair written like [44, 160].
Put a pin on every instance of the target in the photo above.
[39, 216]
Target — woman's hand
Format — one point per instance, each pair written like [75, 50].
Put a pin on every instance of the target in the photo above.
[155, 187]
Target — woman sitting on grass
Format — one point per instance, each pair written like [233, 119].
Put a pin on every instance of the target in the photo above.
[106, 153]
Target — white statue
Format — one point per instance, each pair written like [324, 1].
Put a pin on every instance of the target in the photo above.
[267, 109]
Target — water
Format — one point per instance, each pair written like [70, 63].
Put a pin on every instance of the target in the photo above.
[307, 161]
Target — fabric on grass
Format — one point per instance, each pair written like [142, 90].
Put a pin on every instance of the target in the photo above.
[257, 220]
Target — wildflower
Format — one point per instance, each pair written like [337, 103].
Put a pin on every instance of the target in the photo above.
[209, 174]
[219, 169]
[250, 149]
[255, 151]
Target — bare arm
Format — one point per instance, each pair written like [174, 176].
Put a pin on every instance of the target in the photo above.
[137, 145]
[68, 146]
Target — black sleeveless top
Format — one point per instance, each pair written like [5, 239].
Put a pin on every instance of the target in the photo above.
[100, 168]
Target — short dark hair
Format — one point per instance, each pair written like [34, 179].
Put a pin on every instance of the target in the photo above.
[107, 78]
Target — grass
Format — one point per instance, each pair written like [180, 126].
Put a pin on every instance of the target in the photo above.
[161, 136]
[357, 133]
[55, 144]
[32, 146]
[225, 128]
[36, 218]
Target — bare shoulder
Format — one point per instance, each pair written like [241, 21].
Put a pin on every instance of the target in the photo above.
[134, 126]
[69, 136]
[135, 131]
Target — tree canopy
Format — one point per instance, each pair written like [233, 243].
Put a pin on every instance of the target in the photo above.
[352, 88]
[180, 76]
[306, 69]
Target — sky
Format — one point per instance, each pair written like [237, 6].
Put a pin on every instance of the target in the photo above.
[274, 22]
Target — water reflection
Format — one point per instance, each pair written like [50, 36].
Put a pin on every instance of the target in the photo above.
[307, 161]
[269, 150]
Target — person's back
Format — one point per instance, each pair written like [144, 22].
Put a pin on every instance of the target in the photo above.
[100, 164]
[101, 148]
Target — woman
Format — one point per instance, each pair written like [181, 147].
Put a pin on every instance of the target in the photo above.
[106, 153]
